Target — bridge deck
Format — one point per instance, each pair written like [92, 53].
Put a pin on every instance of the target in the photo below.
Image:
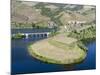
[14, 31]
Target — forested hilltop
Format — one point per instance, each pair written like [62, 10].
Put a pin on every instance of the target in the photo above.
[48, 15]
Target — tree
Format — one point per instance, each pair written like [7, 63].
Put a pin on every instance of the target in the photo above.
[38, 27]
[19, 25]
[33, 25]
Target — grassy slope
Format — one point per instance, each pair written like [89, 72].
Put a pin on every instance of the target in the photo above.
[57, 52]
[88, 33]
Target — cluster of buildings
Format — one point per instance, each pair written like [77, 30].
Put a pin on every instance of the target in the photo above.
[71, 25]
[74, 24]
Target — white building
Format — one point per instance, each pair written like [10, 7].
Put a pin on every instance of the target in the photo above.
[76, 22]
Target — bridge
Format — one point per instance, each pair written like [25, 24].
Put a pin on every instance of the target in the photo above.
[35, 35]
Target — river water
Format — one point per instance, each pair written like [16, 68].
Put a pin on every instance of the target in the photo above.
[22, 62]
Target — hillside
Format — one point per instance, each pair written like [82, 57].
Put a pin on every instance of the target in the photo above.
[24, 14]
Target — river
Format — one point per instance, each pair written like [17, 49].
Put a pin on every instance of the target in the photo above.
[22, 62]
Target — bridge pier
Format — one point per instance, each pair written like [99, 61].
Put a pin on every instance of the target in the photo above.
[26, 36]
[48, 34]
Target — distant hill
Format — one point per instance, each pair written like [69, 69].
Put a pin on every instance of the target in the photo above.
[24, 14]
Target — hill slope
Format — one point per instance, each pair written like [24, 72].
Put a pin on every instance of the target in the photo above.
[42, 14]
